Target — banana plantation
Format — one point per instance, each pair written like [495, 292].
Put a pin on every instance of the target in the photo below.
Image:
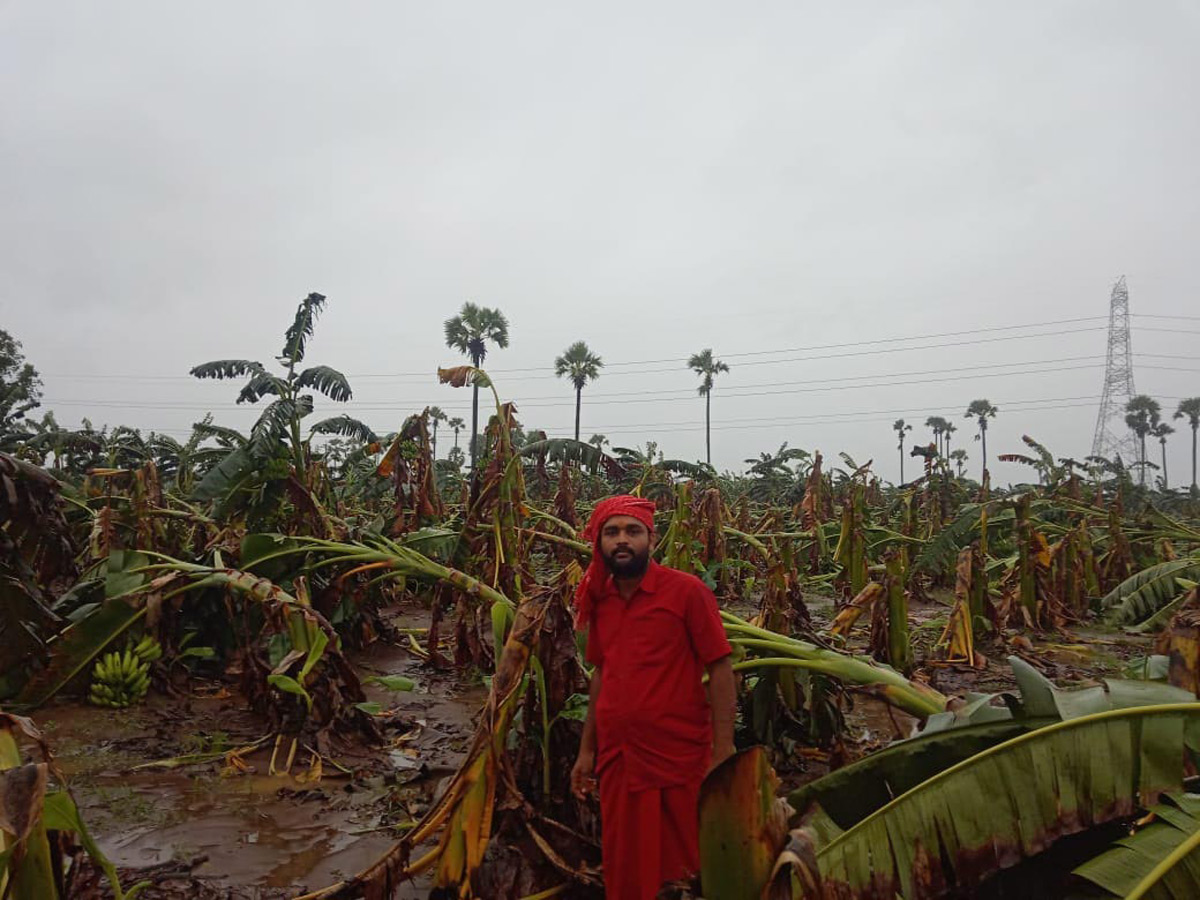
[314, 661]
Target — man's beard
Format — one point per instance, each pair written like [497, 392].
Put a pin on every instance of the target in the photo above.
[630, 567]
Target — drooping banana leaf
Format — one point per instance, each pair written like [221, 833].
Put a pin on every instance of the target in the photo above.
[1161, 861]
[74, 648]
[942, 549]
[1141, 595]
[225, 476]
[564, 450]
[849, 794]
[1039, 786]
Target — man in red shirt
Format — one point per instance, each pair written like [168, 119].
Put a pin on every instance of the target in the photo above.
[651, 733]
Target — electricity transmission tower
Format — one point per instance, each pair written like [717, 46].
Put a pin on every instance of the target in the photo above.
[1112, 436]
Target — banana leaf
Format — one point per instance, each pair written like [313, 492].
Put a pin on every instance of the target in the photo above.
[1040, 786]
[849, 794]
[566, 450]
[1140, 596]
[942, 549]
[1161, 860]
[225, 476]
[78, 645]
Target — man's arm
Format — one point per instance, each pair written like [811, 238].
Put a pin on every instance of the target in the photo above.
[723, 701]
[582, 777]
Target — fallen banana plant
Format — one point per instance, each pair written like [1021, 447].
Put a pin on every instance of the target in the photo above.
[776, 650]
[461, 820]
[1044, 785]
[1150, 591]
[850, 794]
[387, 558]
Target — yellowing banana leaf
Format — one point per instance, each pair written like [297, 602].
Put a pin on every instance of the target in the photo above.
[1040, 786]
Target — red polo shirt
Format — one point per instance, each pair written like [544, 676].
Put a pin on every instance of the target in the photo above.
[654, 648]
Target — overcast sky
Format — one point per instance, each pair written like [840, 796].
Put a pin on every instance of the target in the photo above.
[652, 178]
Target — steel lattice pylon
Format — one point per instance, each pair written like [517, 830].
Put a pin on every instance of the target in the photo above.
[1112, 437]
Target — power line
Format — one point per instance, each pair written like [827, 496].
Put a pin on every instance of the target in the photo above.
[734, 355]
[959, 374]
[853, 417]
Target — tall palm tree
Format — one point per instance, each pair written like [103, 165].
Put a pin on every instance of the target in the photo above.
[1141, 415]
[1161, 431]
[938, 426]
[580, 365]
[959, 458]
[901, 429]
[1190, 408]
[947, 431]
[470, 332]
[435, 415]
[457, 425]
[981, 411]
[707, 368]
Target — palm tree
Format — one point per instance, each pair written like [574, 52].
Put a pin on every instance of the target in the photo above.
[901, 429]
[959, 458]
[948, 430]
[981, 411]
[1141, 415]
[435, 415]
[457, 425]
[598, 441]
[707, 368]
[938, 425]
[280, 419]
[1190, 408]
[580, 365]
[469, 332]
[1160, 431]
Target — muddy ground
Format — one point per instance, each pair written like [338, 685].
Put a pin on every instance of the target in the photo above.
[229, 827]
[216, 826]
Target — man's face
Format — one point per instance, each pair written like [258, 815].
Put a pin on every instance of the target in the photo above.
[625, 545]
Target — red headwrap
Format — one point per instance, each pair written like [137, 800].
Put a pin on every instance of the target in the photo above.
[597, 573]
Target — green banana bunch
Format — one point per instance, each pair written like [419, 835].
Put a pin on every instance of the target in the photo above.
[148, 649]
[122, 679]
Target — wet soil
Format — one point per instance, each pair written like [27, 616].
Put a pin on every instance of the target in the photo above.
[240, 829]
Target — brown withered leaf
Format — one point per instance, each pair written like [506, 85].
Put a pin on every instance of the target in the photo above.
[463, 376]
[22, 790]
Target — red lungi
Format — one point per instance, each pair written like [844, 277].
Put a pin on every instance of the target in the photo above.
[649, 835]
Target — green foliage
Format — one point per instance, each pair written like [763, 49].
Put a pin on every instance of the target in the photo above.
[20, 387]
[1041, 785]
[1160, 860]
[1150, 590]
[578, 364]
[278, 427]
